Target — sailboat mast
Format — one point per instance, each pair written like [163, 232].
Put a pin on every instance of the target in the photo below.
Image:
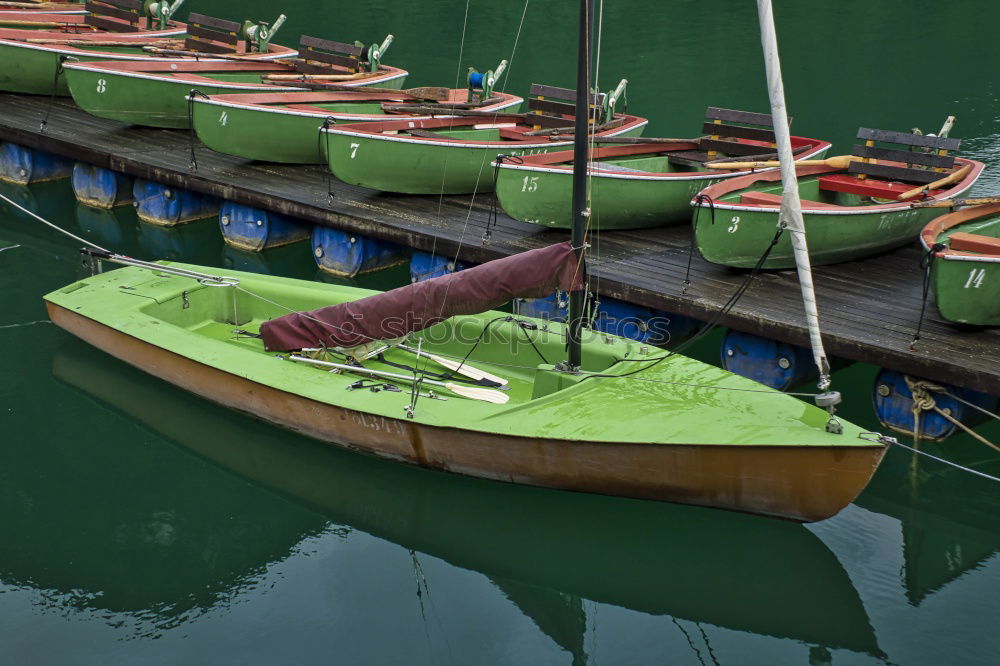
[581, 143]
[791, 204]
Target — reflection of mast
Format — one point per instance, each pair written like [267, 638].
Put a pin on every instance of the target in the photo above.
[560, 616]
[950, 520]
[703, 565]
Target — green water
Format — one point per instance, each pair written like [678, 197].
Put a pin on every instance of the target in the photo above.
[144, 526]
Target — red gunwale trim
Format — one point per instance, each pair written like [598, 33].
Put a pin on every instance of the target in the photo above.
[719, 190]
[564, 158]
[933, 230]
[294, 99]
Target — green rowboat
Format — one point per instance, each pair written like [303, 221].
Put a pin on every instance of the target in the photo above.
[632, 186]
[284, 126]
[845, 218]
[631, 423]
[156, 93]
[965, 265]
[29, 60]
[441, 155]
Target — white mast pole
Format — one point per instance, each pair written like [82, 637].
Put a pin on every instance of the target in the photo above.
[791, 207]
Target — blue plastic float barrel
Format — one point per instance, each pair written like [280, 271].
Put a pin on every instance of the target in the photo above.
[551, 308]
[168, 206]
[26, 165]
[348, 255]
[643, 324]
[424, 266]
[892, 398]
[772, 363]
[253, 229]
[100, 188]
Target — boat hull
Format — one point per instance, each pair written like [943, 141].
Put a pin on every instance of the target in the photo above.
[541, 194]
[259, 132]
[35, 68]
[411, 165]
[737, 234]
[966, 284]
[137, 97]
[799, 483]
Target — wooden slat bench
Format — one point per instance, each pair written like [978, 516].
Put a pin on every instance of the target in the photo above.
[724, 128]
[115, 15]
[545, 112]
[213, 35]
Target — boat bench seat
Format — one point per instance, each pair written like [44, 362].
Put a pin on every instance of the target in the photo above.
[868, 187]
[768, 199]
[912, 158]
[966, 242]
[755, 129]
[317, 56]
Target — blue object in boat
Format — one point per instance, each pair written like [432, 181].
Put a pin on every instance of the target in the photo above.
[168, 206]
[347, 255]
[893, 402]
[476, 80]
[22, 165]
[643, 324]
[552, 308]
[100, 188]
[424, 266]
[253, 229]
[775, 364]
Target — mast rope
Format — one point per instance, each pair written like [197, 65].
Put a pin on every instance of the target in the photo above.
[698, 200]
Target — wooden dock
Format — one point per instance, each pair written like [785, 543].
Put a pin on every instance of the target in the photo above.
[868, 308]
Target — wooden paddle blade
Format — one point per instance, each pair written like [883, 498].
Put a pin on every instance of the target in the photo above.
[466, 370]
[437, 94]
[947, 180]
[483, 394]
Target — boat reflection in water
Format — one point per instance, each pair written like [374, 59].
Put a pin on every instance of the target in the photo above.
[950, 519]
[546, 550]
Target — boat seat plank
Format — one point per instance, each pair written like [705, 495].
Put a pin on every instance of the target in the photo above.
[541, 90]
[905, 156]
[738, 132]
[966, 242]
[868, 187]
[745, 117]
[110, 24]
[130, 14]
[768, 199]
[889, 172]
[908, 139]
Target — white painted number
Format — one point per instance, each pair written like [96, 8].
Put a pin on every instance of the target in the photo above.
[976, 276]
[735, 225]
[354, 149]
[102, 85]
[224, 118]
[530, 184]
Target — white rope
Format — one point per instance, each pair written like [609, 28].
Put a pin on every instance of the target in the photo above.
[895, 442]
[791, 206]
[56, 227]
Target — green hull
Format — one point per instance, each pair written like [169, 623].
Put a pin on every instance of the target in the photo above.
[408, 166]
[30, 68]
[648, 197]
[158, 101]
[600, 435]
[269, 134]
[848, 228]
[967, 288]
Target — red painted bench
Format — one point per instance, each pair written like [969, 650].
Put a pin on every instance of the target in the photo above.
[965, 242]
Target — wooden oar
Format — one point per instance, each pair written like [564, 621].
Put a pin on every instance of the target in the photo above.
[43, 24]
[85, 42]
[318, 77]
[955, 203]
[947, 180]
[155, 50]
[426, 93]
[627, 139]
[450, 111]
[483, 394]
[460, 367]
[837, 162]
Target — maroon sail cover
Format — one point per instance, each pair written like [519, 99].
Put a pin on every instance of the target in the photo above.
[416, 306]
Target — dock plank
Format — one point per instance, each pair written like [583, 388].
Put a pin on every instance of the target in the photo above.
[868, 308]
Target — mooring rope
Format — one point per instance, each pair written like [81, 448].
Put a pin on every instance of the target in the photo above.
[894, 442]
[54, 226]
[923, 401]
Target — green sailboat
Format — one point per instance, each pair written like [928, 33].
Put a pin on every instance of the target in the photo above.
[474, 391]
[964, 262]
[156, 93]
